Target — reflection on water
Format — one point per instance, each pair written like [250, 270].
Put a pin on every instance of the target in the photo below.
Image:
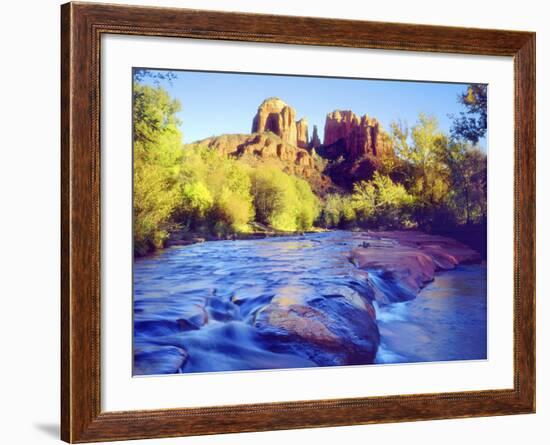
[194, 306]
[447, 320]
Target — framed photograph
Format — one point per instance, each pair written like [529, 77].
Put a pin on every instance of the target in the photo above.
[275, 222]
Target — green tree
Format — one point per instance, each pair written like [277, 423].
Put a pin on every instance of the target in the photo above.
[269, 194]
[283, 201]
[422, 149]
[141, 74]
[195, 202]
[215, 191]
[337, 211]
[468, 197]
[331, 214]
[157, 151]
[380, 201]
[308, 205]
[472, 124]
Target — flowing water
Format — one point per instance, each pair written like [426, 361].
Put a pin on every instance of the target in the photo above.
[202, 299]
[447, 320]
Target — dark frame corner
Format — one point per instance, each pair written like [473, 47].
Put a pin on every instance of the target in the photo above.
[82, 25]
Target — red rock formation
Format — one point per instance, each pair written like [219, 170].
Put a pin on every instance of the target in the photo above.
[315, 141]
[338, 125]
[265, 147]
[354, 137]
[302, 133]
[276, 116]
[262, 146]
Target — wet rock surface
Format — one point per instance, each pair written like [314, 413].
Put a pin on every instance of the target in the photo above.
[403, 262]
[328, 330]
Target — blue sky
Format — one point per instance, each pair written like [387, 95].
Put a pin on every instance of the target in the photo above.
[218, 103]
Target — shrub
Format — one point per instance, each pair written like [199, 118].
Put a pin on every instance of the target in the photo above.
[382, 202]
[308, 205]
[283, 201]
[214, 188]
[338, 211]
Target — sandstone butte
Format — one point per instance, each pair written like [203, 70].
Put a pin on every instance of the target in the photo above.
[269, 148]
[278, 139]
[276, 116]
[354, 137]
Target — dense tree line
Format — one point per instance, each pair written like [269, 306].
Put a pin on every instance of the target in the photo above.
[157, 155]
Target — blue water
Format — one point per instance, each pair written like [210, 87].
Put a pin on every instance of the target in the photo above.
[447, 320]
[195, 306]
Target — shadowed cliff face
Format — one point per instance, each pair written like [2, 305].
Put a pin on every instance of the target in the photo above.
[315, 141]
[358, 144]
[354, 137]
[354, 145]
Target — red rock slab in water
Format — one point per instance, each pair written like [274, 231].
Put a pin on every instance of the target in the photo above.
[328, 330]
[435, 244]
[413, 257]
[302, 321]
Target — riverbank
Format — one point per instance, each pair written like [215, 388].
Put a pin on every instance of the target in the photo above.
[258, 231]
[281, 302]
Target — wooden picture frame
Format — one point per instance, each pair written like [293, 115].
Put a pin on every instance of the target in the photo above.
[82, 26]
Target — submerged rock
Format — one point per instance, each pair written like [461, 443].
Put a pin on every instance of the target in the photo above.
[401, 263]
